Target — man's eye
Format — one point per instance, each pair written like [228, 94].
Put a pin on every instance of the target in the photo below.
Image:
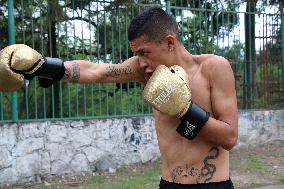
[141, 53]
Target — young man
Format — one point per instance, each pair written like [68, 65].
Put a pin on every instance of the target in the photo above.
[193, 96]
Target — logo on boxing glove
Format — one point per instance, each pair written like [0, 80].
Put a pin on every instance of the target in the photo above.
[164, 96]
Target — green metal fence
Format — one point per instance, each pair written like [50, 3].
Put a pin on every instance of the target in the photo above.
[97, 31]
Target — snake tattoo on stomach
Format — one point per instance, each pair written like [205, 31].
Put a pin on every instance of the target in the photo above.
[208, 169]
[204, 174]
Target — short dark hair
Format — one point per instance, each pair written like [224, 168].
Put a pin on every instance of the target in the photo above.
[154, 23]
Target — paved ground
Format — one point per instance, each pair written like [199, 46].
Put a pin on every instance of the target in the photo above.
[272, 187]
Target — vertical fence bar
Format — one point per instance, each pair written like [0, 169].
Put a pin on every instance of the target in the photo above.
[43, 89]
[212, 28]
[282, 52]
[126, 52]
[105, 60]
[217, 34]
[206, 31]
[113, 61]
[83, 54]
[35, 79]
[91, 59]
[182, 29]
[98, 51]
[168, 6]
[118, 21]
[1, 107]
[24, 41]
[12, 40]
[194, 31]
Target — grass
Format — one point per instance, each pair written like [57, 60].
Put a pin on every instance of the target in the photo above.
[146, 177]
[98, 179]
[281, 176]
[253, 164]
[249, 163]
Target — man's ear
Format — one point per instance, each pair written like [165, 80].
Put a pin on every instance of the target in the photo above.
[170, 40]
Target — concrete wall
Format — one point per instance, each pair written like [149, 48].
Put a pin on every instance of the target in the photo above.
[257, 127]
[31, 150]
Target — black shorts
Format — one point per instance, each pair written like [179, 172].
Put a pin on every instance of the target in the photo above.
[212, 185]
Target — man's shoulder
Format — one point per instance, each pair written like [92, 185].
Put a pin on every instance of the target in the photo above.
[213, 64]
[213, 59]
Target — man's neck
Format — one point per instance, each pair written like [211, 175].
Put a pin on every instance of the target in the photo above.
[184, 58]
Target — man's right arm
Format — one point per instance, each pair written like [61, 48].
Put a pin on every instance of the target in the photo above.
[81, 71]
[19, 62]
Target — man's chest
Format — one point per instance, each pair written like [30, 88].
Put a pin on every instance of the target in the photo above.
[200, 91]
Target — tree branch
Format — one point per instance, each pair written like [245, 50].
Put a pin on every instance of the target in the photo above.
[84, 19]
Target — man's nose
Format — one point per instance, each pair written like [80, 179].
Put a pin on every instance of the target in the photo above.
[142, 62]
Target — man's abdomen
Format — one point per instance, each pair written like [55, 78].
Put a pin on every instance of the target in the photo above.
[189, 162]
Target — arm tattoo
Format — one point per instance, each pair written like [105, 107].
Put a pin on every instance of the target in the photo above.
[111, 71]
[72, 72]
[66, 74]
[202, 175]
[75, 72]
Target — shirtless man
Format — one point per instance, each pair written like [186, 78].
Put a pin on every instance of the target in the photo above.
[194, 140]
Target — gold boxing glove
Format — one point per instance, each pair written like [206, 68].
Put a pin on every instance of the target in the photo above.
[167, 91]
[14, 58]
[19, 62]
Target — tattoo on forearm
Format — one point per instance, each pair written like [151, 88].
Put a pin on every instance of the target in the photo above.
[75, 72]
[111, 71]
[204, 174]
[66, 74]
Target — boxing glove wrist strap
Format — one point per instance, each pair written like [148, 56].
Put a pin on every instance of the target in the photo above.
[193, 121]
[53, 69]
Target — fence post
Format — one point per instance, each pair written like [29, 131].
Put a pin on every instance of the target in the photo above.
[168, 6]
[11, 30]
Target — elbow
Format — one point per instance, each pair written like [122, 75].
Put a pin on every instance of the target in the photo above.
[231, 141]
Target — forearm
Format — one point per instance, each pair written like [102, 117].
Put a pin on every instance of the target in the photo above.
[219, 133]
[80, 71]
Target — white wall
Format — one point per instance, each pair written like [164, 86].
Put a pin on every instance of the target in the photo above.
[31, 150]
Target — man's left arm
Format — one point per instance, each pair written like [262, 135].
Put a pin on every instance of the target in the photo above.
[222, 128]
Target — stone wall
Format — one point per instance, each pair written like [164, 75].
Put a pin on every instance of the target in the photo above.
[32, 150]
[29, 150]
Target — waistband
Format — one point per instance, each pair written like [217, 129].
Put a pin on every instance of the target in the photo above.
[228, 184]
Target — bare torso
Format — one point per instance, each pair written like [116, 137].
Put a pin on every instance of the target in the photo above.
[196, 161]
[209, 77]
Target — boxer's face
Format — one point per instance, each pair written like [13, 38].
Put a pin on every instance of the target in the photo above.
[150, 54]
